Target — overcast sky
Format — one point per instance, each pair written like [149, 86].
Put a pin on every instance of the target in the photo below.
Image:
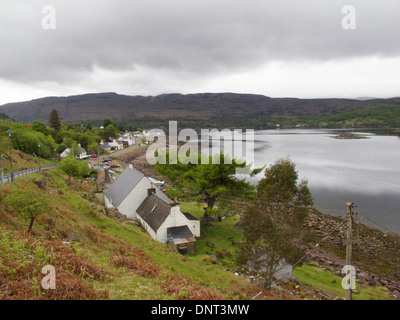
[278, 48]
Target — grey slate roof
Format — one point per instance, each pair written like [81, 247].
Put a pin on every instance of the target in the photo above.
[154, 211]
[189, 216]
[120, 189]
[179, 232]
[180, 235]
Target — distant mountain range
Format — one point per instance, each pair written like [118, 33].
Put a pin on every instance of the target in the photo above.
[203, 106]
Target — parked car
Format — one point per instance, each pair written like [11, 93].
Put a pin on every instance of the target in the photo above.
[94, 155]
[113, 165]
[106, 160]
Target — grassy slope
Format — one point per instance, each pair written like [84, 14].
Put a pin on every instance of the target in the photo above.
[98, 240]
[320, 278]
[145, 270]
[21, 161]
[309, 275]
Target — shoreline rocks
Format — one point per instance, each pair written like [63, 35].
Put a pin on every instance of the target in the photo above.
[371, 244]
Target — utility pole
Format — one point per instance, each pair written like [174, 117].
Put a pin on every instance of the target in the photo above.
[1, 169]
[349, 245]
[39, 156]
[98, 167]
[10, 132]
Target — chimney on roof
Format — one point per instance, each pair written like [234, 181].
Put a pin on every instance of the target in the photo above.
[151, 189]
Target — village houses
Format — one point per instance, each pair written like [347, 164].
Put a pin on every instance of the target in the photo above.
[111, 144]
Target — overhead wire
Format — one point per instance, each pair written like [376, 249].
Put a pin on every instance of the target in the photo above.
[322, 239]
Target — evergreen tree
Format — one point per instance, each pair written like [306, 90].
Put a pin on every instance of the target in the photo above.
[209, 181]
[54, 121]
[272, 224]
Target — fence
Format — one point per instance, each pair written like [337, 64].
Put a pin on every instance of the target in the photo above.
[7, 177]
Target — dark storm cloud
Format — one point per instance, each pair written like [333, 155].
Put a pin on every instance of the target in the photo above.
[196, 38]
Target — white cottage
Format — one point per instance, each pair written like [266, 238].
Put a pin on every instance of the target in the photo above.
[135, 196]
[165, 222]
[157, 216]
[127, 138]
[128, 192]
[81, 153]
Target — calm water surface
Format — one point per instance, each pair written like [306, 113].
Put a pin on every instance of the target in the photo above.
[364, 171]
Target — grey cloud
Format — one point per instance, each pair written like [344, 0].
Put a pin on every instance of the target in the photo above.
[196, 38]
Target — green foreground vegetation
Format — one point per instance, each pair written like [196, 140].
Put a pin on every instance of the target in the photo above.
[104, 257]
[328, 282]
[100, 257]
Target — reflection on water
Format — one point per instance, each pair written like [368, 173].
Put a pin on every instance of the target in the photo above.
[364, 171]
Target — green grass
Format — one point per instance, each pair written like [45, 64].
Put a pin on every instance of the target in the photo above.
[127, 286]
[73, 213]
[324, 280]
[22, 161]
[316, 277]
[219, 235]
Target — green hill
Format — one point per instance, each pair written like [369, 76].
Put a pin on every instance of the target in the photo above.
[98, 254]
[95, 255]
[200, 110]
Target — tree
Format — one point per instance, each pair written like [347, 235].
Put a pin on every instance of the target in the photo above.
[93, 147]
[28, 201]
[108, 122]
[70, 166]
[40, 127]
[3, 116]
[89, 126]
[272, 224]
[280, 185]
[54, 121]
[74, 168]
[209, 181]
[109, 131]
[61, 147]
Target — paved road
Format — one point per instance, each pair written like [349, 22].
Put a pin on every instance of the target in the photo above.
[95, 161]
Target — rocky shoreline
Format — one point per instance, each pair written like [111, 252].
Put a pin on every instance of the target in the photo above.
[376, 255]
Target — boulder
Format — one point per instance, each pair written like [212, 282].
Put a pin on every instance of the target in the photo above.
[395, 294]
[214, 259]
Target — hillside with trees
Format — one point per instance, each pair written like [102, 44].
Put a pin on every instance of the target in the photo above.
[201, 110]
[29, 142]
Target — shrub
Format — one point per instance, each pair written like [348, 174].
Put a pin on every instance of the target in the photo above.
[28, 202]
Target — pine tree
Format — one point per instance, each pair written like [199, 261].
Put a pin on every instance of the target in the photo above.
[272, 224]
[54, 120]
[209, 181]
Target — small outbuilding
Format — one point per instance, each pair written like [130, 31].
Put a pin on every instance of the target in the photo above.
[181, 239]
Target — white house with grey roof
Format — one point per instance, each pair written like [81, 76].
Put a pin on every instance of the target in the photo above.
[165, 223]
[135, 196]
[81, 153]
[157, 216]
[128, 192]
